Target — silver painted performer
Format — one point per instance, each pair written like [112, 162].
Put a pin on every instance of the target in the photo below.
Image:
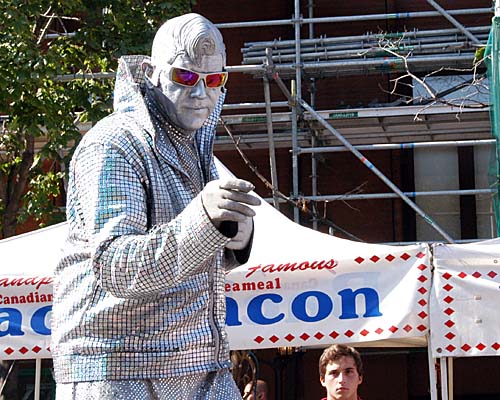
[139, 306]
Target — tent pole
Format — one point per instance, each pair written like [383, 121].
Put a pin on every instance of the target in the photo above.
[444, 378]
[38, 373]
[432, 373]
[450, 378]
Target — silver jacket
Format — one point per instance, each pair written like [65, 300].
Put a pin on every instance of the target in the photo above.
[138, 293]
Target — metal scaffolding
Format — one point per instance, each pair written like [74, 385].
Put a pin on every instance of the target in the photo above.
[315, 58]
[353, 55]
[312, 58]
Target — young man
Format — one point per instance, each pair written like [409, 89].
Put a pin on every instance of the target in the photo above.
[341, 372]
[139, 306]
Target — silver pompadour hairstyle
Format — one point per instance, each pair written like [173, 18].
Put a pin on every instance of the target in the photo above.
[189, 34]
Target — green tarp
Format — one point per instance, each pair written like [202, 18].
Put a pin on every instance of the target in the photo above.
[492, 57]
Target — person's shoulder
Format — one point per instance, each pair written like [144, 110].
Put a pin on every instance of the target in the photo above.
[113, 129]
[114, 134]
[116, 121]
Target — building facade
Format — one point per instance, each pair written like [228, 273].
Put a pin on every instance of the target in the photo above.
[397, 81]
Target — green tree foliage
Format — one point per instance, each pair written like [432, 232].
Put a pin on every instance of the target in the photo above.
[41, 43]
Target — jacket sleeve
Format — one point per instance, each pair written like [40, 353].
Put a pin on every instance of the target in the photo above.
[130, 259]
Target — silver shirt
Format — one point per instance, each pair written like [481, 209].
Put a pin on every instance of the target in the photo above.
[138, 293]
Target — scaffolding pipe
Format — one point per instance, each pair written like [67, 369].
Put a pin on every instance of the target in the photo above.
[111, 75]
[372, 52]
[378, 196]
[431, 60]
[272, 152]
[272, 148]
[57, 35]
[453, 21]
[310, 13]
[295, 161]
[403, 15]
[314, 161]
[398, 146]
[298, 59]
[349, 66]
[361, 45]
[370, 17]
[314, 179]
[362, 48]
[244, 68]
[377, 172]
[411, 35]
[238, 106]
[296, 96]
[292, 67]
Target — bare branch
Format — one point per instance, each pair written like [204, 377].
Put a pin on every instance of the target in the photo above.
[44, 29]
[462, 101]
[301, 203]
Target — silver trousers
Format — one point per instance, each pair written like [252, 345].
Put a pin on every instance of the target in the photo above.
[217, 385]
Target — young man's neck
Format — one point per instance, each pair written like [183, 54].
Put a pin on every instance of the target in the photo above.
[333, 397]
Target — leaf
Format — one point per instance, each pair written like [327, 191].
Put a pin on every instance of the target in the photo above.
[46, 109]
[479, 54]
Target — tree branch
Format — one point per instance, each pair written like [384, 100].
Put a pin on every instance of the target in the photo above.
[301, 203]
[18, 185]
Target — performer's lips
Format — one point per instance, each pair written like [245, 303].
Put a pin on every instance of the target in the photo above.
[197, 109]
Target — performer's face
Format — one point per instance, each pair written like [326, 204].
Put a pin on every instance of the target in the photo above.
[189, 106]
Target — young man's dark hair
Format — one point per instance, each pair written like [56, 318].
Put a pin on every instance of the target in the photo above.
[335, 352]
[341, 372]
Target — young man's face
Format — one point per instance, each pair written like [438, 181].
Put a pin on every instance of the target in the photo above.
[189, 107]
[341, 379]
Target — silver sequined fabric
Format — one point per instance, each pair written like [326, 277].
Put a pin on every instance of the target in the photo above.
[211, 386]
[185, 146]
[139, 289]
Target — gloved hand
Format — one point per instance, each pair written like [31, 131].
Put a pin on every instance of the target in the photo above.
[229, 200]
[240, 241]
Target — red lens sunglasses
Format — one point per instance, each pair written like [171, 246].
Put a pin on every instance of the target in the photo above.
[186, 77]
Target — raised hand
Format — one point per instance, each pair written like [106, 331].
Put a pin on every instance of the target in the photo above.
[229, 200]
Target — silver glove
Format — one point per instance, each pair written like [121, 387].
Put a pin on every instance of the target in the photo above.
[229, 200]
[240, 241]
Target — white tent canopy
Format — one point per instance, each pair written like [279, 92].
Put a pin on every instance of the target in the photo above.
[299, 288]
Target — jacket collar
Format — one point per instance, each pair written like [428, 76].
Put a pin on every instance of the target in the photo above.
[129, 98]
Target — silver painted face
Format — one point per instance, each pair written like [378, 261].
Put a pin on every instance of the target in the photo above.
[189, 107]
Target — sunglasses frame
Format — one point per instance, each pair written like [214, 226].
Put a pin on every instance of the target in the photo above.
[200, 75]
